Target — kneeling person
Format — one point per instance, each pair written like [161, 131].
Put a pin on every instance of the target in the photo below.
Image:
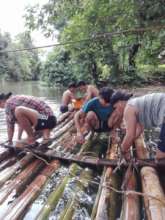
[31, 114]
[95, 113]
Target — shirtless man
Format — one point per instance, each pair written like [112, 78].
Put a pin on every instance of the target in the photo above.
[67, 97]
[77, 95]
[85, 91]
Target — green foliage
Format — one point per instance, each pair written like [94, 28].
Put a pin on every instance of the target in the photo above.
[18, 65]
[114, 59]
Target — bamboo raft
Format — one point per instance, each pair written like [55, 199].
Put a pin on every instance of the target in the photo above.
[33, 187]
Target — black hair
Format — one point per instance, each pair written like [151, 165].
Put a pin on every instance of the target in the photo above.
[120, 96]
[72, 85]
[4, 96]
[81, 83]
[106, 94]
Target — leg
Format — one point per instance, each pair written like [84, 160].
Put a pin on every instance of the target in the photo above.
[46, 134]
[27, 118]
[92, 121]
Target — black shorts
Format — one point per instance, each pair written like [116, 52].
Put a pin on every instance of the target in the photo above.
[45, 122]
[103, 127]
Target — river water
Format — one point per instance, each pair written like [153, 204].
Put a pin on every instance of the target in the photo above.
[51, 95]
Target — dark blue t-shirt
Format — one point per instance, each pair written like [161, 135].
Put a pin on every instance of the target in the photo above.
[94, 105]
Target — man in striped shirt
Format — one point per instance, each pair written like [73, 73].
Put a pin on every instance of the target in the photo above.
[31, 114]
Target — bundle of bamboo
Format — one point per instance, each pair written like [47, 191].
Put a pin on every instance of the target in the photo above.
[18, 207]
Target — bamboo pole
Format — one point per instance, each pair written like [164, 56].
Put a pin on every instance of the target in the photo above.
[155, 209]
[55, 195]
[63, 130]
[18, 207]
[7, 163]
[4, 153]
[19, 182]
[106, 205]
[131, 203]
[35, 209]
[10, 171]
[83, 182]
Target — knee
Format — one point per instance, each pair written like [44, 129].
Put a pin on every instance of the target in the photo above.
[90, 116]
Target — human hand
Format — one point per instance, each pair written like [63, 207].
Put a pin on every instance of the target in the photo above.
[80, 138]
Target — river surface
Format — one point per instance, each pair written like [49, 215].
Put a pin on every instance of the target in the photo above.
[51, 95]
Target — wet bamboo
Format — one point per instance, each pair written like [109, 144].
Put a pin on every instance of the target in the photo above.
[83, 180]
[155, 209]
[155, 201]
[82, 183]
[107, 207]
[62, 117]
[7, 163]
[55, 195]
[131, 202]
[63, 122]
[4, 153]
[18, 207]
[20, 181]
[10, 171]
[63, 130]
[86, 146]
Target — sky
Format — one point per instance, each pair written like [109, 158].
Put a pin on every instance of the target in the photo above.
[11, 12]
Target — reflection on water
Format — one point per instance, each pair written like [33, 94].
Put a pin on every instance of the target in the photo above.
[51, 95]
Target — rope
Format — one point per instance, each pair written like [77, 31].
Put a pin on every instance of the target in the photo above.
[94, 37]
[127, 192]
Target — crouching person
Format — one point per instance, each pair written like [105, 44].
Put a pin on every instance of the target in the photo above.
[95, 114]
[144, 112]
[31, 114]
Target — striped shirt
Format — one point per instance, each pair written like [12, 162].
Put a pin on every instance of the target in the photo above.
[27, 101]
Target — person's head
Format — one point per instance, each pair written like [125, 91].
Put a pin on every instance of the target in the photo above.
[105, 94]
[82, 86]
[119, 99]
[72, 87]
[3, 98]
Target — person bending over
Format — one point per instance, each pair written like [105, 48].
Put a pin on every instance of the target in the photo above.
[147, 112]
[95, 113]
[31, 114]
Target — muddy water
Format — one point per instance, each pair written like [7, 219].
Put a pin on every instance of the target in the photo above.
[51, 95]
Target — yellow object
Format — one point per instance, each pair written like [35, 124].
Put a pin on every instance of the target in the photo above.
[77, 103]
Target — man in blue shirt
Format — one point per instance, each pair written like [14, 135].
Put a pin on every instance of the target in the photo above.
[95, 113]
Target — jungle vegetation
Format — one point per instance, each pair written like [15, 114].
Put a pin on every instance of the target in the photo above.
[101, 41]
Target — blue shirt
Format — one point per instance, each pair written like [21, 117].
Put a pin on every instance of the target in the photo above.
[102, 112]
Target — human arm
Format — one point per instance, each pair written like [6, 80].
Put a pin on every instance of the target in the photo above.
[92, 92]
[80, 115]
[10, 133]
[10, 120]
[130, 120]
